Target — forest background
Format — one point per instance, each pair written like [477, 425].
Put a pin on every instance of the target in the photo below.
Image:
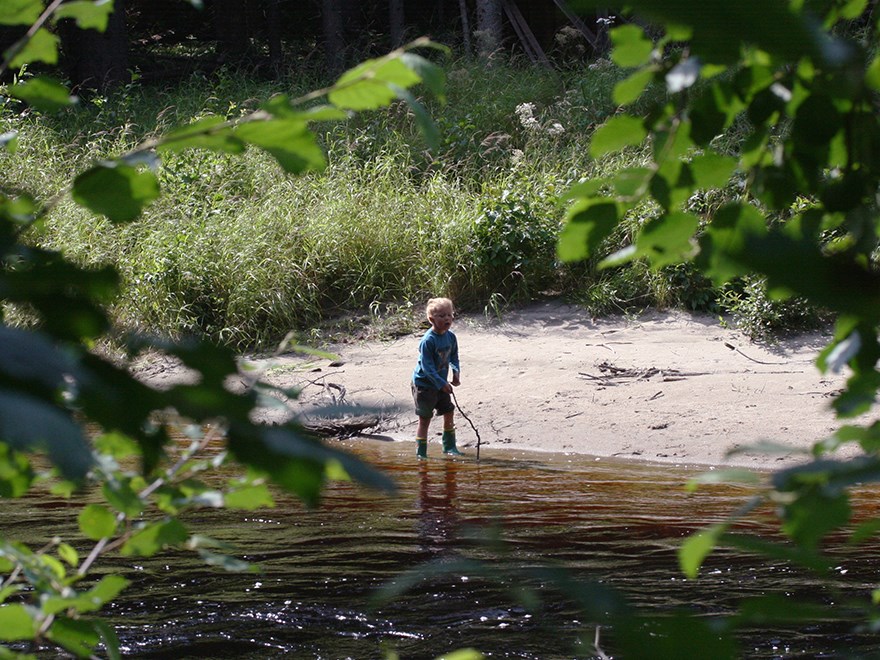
[726, 152]
[237, 252]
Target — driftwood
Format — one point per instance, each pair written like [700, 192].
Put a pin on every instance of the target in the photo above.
[340, 427]
[611, 375]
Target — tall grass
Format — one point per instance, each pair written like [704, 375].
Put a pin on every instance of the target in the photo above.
[240, 252]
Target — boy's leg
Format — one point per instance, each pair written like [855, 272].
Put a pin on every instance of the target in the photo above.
[424, 400]
[422, 437]
[449, 434]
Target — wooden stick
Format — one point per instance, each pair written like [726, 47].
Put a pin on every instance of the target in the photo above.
[469, 422]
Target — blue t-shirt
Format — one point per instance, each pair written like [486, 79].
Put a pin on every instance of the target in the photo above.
[436, 354]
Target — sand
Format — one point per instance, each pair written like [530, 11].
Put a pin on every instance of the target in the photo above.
[663, 386]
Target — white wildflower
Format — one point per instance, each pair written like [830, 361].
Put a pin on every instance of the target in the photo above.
[555, 129]
[683, 75]
[781, 91]
[525, 112]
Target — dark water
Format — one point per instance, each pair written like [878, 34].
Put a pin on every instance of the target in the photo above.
[615, 523]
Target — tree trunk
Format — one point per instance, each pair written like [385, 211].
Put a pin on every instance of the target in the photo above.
[231, 26]
[97, 60]
[489, 29]
[465, 27]
[334, 38]
[273, 35]
[397, 23]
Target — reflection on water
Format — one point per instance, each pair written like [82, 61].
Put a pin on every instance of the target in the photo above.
[610, 522]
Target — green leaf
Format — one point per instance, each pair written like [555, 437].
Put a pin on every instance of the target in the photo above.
[43, 93]
[117, 445]
[622, 256]
[708, 115]
[42, 47]
[207, 133]
[765, 106]
[816, 121]
[696, 548]
[76, 635]
[105, 591]
[296, 461]
[280, 106]
[589, 222]
[108, 636]
[88, 14]
[831, 281]
[719, 27]
[672, 184]
[16, 623]
[852, 9]
[588, 188]
[372, 84]
[291, 143]
[68, 554]
[27, 423]
[117, 191]
[711, 170]
[9, 141]
[724, 242]
[632, 181]
[723, 476]
[11, 590]
[787, 552]
[867, 437]
[814, 514]
[673, 636]
[864, 531]
[122, 497]
[872, 75]
[227, 563]
[766, 610]
[249, 498]
[667, 239]
[154, 537]
[31, 357]
[16, 474]
[833, 476]
[20, 12]
[463, 654]
[423, 120]
[97, 522]
[615, 134]
[631, 88]
[632, 47]
[431, 75]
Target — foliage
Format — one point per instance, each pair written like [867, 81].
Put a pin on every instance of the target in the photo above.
[51, 379]
[800, 102]
[237, 252]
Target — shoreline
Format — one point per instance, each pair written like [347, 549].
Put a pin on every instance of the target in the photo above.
[663, 387]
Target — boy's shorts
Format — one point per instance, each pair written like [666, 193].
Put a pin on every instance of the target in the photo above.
[429, 399]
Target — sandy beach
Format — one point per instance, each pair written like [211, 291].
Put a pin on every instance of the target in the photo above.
[663, 386]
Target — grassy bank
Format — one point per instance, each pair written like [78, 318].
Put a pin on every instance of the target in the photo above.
[242, 253]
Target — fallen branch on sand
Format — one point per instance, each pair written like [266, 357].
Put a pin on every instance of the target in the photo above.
[341, 427]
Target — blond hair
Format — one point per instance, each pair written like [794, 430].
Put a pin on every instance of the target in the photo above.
[437, 303]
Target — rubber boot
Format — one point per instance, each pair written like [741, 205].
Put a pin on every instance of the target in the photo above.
[422, 447]
[449, 443]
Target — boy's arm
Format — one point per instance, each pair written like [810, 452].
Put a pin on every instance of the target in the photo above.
[429, 365]
[453, 362]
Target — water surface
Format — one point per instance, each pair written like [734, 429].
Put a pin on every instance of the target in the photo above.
[609, 522]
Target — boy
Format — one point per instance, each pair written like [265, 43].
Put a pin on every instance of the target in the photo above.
[438, 350]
